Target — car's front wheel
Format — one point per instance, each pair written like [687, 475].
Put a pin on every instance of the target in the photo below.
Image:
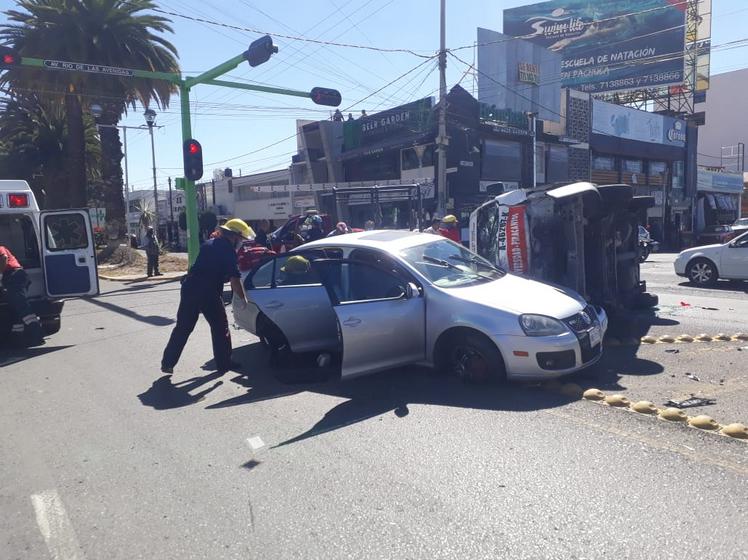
[702, 272]
[473, 358]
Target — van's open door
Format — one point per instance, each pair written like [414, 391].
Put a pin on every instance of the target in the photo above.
[68, 253]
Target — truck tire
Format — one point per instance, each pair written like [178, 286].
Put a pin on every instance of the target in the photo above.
[51, 325]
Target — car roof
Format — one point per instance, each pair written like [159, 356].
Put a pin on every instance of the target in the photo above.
[390, 240]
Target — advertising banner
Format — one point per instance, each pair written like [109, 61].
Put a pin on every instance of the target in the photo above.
[714, 181]
[624, 122]
[412, 118]
[514, 244]
[608, 45]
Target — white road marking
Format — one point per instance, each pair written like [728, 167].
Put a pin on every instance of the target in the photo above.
[55, 526]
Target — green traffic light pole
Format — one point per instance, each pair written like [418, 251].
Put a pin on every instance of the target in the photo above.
[259, 52]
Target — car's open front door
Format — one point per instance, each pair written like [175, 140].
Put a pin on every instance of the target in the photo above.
[380, 316]
[68, 253]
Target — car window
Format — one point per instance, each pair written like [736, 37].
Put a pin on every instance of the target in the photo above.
[382, 260]
[742, 241]
[356, 282]
[294, 269]
[263, 276]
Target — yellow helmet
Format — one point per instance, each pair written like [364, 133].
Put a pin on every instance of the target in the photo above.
[450, 219]
[239, 227]
[296, 265]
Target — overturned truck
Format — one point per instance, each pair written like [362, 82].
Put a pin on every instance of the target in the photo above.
[581, 236]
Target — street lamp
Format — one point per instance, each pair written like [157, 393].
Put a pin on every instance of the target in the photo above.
[150, 120]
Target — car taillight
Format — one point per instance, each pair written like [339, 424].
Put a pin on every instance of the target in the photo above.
[18, 201]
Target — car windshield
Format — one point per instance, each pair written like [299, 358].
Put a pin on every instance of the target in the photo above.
[448, 265]
[741, 222]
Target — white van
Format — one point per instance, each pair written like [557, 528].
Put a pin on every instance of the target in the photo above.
[56, 249]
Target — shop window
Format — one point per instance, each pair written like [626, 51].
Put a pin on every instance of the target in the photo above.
[657, 172]
[540, 163]
[632, 172]
[558, 164]
[679, 174]
[502, 161]
[603, 163]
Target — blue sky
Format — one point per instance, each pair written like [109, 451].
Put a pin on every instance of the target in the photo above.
[235, 127]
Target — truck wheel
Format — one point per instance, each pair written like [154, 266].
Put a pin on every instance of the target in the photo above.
[645, 301]
[702, 272]
[51, 325]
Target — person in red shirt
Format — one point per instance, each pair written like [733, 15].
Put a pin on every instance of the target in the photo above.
[450, 228]
[16, 282]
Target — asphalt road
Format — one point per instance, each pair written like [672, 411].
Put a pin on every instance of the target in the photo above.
[103, 457]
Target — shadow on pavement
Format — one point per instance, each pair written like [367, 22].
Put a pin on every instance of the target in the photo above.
[164, 394]
[737, 286]
[10, 355]
[156, 320]
[377, 394]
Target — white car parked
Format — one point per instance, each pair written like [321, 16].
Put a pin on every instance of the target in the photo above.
[704, 265]
[380, 299]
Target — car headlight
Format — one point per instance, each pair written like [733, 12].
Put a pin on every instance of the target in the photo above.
[540, 325]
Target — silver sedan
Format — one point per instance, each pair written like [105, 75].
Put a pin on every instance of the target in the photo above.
[379, 299]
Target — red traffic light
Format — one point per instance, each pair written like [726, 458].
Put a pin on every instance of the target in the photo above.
[192, 153]
[325, 96]
[8, 57]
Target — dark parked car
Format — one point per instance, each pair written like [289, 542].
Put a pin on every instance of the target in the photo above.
[715, 234]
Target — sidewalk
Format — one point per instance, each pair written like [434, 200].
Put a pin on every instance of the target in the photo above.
[140, 277]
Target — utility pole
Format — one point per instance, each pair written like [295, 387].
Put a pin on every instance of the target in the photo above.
[170, 229]
[442, 140]
[531, 120]
[150, 119]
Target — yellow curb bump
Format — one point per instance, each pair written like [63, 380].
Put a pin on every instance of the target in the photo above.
[644, 407]
[722, 336]
[617, 400]
[612, 341]
[741, 336]
[685, 338]
[594, 395]
[703, 422]
[737, 430]
[704, 338]
[572, 390]
[667, 338]
[649, 340]
[673, 415]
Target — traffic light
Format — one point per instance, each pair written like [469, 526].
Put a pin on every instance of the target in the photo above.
[8, 57]
[260, 50]
[325, 96]
[193, 159]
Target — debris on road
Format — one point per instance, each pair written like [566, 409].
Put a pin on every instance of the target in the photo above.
[743, 349]
[690, 402]
[672, 351]
[693, 377]
[684, 304]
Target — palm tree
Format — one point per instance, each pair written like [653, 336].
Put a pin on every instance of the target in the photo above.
[34, 138]
[107, 32]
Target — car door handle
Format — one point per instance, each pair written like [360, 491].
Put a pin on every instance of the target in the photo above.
[352, 322]
[274, 305]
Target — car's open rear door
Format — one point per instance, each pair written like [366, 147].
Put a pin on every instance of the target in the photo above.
[68, 253]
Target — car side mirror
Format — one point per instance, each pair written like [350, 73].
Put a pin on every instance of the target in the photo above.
[411, 290]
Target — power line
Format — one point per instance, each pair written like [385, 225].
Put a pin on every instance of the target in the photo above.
[284, 36]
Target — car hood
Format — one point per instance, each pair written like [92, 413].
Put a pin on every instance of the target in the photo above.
[520, 295]
[702, 249]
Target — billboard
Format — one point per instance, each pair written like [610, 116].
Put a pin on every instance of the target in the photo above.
[624, 122]
[411, 118]
[608, 45]
[515, 77]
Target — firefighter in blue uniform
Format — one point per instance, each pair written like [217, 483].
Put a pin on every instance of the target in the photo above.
[202, 291]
